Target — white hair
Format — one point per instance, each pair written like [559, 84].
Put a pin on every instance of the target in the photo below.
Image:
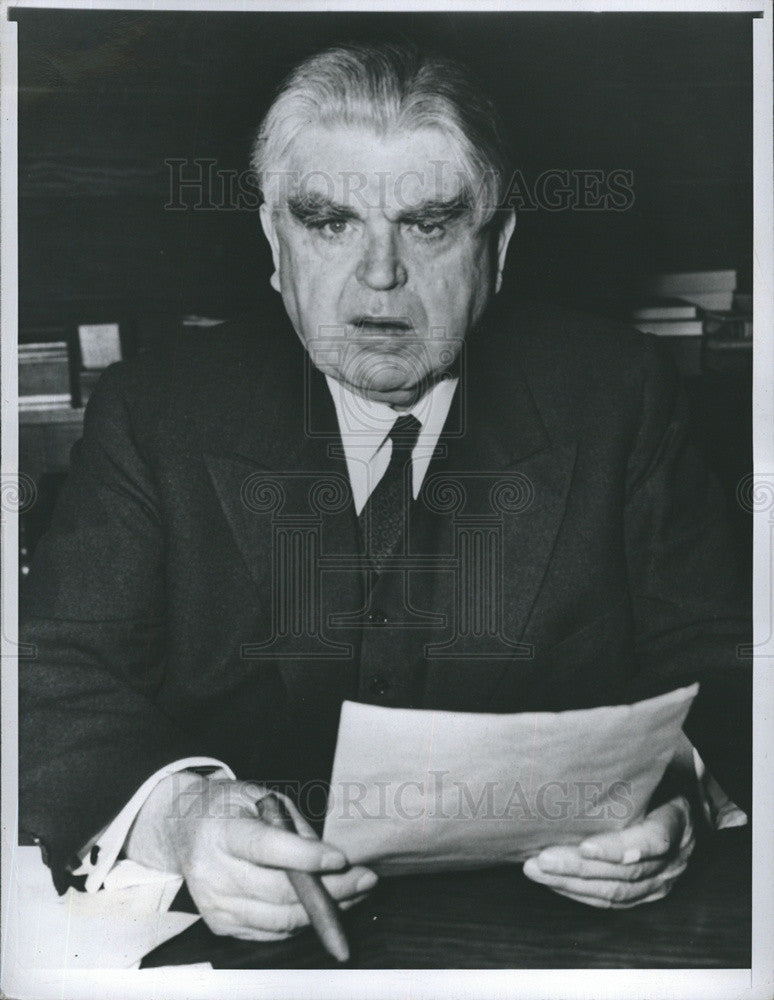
[386, 88]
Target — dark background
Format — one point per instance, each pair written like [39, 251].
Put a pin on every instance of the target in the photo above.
[106, 97]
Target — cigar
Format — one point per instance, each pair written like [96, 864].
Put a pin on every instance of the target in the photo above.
[314, 897]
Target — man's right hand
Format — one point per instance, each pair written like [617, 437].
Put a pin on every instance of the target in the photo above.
[208, 830]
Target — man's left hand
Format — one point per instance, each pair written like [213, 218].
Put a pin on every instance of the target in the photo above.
[624, 868]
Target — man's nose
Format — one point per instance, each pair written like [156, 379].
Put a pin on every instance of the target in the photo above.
[381, 266]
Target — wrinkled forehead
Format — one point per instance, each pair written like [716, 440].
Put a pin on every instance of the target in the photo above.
[356, 167]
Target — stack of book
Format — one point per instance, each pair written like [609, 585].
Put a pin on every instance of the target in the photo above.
[696, 308]
[706, 289]
[734, 324]
[674, 304]
[668, 317]
[44, 376]
[728, 335]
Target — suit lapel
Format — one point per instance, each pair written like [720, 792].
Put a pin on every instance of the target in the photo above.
[532, 512]
[288, 502]
[515, 483]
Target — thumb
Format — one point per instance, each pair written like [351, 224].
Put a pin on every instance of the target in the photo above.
[655, 836]
[303, 828]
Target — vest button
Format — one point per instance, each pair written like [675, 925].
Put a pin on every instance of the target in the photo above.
[379, 685]
[377, 617]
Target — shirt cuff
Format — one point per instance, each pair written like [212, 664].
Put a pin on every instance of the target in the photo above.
[717, 808]
[100, 854]
[720, 811]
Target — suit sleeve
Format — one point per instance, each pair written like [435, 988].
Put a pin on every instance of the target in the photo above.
[691, 604]
[99, 857]
[90, 732]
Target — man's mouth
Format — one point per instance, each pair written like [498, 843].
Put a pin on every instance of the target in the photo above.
[381, 324]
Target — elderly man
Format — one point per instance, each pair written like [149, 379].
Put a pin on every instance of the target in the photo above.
[253, 532]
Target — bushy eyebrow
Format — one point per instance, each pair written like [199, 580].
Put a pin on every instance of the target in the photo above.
[437, 210]
[310, 206]
[314, 206]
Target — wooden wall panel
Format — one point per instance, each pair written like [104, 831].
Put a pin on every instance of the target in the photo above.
[107, 97]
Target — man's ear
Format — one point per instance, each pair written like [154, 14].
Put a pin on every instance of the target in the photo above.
[504, 233]
[270, 230]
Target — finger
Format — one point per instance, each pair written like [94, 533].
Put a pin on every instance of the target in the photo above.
[243, 878]
[255, 934]
[654, 837]
[357, 881]
[302, 826]
[609, 905]
[273, 886]
[353, 901]
[253, 840]
[687, 846]
[606, 890]
[604, 893]
[569, 861]
[236, 916]
[683, 807]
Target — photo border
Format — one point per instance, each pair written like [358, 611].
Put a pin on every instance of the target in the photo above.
[418, 984]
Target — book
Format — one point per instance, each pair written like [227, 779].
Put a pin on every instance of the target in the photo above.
[743, 302]
[671, 328]
[665, 309]
[44, 376]
[679, 282]
[728, 326]
[46, 401]
[57, 346]
[712, 300]
[201, 321]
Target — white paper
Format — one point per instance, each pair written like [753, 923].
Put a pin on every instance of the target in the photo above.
[415, 790]
[110, 929]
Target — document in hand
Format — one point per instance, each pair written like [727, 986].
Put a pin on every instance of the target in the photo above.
[417, 790]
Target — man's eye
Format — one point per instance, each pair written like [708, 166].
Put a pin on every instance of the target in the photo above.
[332, 227]
[428, 230]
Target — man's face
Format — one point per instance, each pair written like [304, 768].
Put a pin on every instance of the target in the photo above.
[381, 262]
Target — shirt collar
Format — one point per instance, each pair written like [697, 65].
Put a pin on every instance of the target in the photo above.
[364, 423]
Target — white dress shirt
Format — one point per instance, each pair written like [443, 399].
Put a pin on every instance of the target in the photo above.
[364, 427]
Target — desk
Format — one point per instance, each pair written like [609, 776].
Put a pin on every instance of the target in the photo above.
[499, 919]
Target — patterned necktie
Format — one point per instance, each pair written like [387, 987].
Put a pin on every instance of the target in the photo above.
[383, 517]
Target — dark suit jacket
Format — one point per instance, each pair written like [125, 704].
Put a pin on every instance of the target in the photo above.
[153, 607]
